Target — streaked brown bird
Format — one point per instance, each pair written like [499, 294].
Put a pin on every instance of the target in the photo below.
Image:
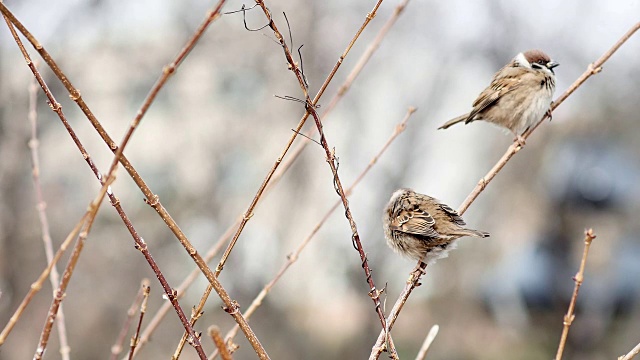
[519, 94]
[421, 227]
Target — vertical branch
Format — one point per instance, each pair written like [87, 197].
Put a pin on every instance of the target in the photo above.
[374, 293]
[293, 257]
[214, 332]
[143, 310]
[579, 278]
[41, 206]
[116, 349]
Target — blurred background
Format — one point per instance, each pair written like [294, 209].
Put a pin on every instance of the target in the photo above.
[215, 130]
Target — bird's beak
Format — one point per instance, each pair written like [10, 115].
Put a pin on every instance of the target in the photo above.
[551, 64]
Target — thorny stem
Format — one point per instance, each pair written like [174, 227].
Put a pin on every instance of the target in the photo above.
[592, 69]
[579, 278]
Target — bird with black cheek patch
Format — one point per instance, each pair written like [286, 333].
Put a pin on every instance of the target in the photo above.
[421, 227]
[519, 95]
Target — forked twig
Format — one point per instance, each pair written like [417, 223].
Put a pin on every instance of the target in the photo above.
[293, 257]
[116, 348]
[286, 164]
[332, 160]
[414, 278]
[143, 310]
[254, 202]
[579, 278]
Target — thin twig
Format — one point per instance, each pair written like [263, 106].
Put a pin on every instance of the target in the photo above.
[140, 244]
[287, 163]
[293, 257]
[635, 351]
[214, 332]
[579, 278]
[254, 202]
[153, 199]
[143, 310]
[59, 294]
[116, 349]
[41, 206]
[427, 342]
[414, 278]
[374, 293]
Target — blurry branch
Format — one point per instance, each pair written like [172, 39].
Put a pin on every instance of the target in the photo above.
[333, 164]
[86, 222]
[311, 105]
[635, 351]
[116, 349]
[592, 69]
[140, 244]
[427, 342]
[54, 277]
[579, 278]
[282, 169]
[143, 310]
[249, 212]
[293, 257]
[152, 200]
[37, 285]
[214, 332]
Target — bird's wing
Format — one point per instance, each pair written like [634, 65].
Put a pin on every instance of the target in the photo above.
[455, 217]
[509, 80]
[415, 221]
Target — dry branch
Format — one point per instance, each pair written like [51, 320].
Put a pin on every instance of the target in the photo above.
[140, 244]
[116, 349]
[374, 293]
[293, 257]
[54, 276]
[592, 69]
[152, 199]
[286, 164]
[143, 310]
[635, 351]
[579, 278]
[422, 353]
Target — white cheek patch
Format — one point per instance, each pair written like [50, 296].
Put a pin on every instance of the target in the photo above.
[520, 59]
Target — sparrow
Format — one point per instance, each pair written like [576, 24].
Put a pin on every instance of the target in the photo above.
[519, 94]
[421, 227]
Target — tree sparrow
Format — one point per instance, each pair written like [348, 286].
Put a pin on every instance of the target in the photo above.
[519, 95]
[421, 227]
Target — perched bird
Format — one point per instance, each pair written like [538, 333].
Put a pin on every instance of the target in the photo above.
[519, 95]
[421, 227]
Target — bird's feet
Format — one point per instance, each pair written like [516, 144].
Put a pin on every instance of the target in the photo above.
[550, 113]
[520, 141]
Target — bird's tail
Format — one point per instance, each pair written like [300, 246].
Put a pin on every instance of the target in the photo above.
[454, 121]
[473, 233]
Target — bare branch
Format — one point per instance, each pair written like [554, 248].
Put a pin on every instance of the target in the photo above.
[116, 349]
[579, 278]
[427, 342]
